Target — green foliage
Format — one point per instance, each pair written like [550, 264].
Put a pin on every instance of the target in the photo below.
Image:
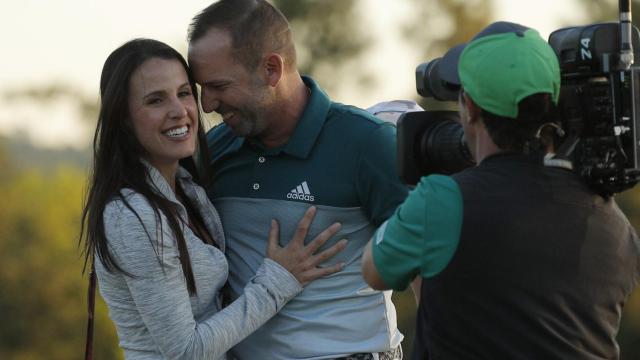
[42, 290]
[328, 36]
[325, 31]
[436, 26]
[5, 162]
[331, 37]
[54, 92]
[406, 309]
[27, 156]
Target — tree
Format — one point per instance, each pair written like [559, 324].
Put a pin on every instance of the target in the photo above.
[329, 36]
[53, 92]
[437, 26]
[42, 290]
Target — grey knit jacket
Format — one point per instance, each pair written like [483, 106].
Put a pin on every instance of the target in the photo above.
[153, 313]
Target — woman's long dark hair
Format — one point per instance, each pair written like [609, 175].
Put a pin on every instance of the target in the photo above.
[117, 155]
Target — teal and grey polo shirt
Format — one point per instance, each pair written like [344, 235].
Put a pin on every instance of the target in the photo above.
[342, 160]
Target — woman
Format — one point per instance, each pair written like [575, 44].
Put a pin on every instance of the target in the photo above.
[157, 241]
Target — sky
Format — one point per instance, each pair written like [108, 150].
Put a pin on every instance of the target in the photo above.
[67, 41]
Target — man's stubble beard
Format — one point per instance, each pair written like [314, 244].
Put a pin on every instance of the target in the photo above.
[257, 113]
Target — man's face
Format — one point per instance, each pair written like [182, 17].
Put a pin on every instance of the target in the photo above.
[240, 96]
[467, 126]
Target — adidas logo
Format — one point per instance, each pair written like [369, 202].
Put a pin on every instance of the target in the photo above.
[301, 192]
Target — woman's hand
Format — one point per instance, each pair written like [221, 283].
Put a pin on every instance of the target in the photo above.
[300, 260]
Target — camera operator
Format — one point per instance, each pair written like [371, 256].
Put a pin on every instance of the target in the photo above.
[517, 259]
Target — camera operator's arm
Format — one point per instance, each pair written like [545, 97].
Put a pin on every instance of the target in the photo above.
[369, 271]
[372, 277]
[419, 239]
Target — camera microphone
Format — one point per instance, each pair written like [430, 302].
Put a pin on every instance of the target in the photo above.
[626, 49]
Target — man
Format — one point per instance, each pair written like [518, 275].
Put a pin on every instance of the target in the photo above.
[517, 259]
[283, 147]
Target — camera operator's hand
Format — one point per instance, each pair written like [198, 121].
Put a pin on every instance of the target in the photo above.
[300, 259]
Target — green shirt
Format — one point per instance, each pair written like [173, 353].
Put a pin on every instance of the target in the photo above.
[422, 236]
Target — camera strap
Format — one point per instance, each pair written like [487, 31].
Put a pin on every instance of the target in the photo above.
[91, 304]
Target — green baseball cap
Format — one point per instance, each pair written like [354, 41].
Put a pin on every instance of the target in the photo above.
[503, 64]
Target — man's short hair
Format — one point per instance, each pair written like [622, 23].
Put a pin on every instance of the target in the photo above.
[255, 27]
[503, 64]
[513, 75]
[522, 134]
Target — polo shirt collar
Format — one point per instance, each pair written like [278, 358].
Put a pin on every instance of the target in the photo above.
[310, 125]
[307, 129]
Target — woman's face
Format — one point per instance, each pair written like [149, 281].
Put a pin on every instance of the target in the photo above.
[163, 112]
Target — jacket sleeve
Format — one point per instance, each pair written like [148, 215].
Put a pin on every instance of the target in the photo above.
[146, 249]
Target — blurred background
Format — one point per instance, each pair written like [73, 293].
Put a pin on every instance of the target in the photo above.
[361, 51]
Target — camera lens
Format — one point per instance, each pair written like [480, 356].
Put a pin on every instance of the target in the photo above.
[444, 149]
[429, 82]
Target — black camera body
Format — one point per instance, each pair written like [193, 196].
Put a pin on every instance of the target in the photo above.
[599, 105]
[599, 111]
[430, 142]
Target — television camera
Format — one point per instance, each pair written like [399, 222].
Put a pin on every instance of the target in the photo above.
[598, 110]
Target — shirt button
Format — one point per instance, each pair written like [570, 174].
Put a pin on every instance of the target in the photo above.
[261, 159]
[256, 186]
